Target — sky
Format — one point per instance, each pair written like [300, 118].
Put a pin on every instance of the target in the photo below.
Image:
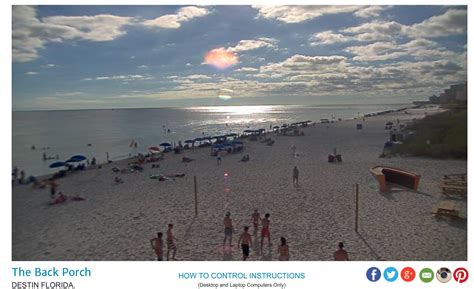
[93, 57]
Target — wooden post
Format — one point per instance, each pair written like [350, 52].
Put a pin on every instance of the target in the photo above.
[195, 197]
[357, 207]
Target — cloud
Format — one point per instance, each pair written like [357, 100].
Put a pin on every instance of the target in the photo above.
[120, 77]
[247, 69]
[328, 37]
[452, 22]
[31, 73]
[143, 66]
[220, 58]
[30, 34]
[246, 45]
[173, 21]
[376, 30]
[418, 49]
[371, 11]
[296, 14]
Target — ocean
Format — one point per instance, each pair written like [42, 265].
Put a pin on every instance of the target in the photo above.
[94, 133]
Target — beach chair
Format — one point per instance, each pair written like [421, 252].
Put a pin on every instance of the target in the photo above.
[454, 185]
[445, 208]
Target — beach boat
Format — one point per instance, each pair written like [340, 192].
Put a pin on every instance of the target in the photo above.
[385, 175]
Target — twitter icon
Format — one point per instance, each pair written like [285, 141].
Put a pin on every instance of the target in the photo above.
[390, 274]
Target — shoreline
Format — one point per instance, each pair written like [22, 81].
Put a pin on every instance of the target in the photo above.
[271, 132]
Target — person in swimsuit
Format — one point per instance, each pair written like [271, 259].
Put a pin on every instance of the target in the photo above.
[246, 241]
[255, 219]
[283, 250]
[341, 254]
[157, 245]
[296, 173]
[228, 228]
[170, 242]
[265, 231]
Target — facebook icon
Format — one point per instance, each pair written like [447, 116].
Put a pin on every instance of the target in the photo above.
[373, 274]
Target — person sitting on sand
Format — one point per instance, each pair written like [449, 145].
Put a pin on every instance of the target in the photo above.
[94, 161]
[60, 199]
[255, 220]
[228, 228]
[171, 243]
[244, 159]
[187, 160]
[157, 245]
[246, 241]
[296, 173]
[118, 180]
[265, 231]
[283, 250]
[341, 254]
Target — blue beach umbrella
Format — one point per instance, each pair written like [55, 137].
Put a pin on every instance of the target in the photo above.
[57, 164]
[165, 144]
[189, 141]
[76, 158]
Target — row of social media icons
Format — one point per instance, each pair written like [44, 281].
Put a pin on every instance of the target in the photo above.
[426, 275]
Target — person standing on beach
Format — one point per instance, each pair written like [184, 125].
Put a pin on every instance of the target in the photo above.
[228, 228]
[283, 250]
[14, 174]
[22, 177]
[296, 174]
[246, 241]
[341, 254]
[265, 231]
[255, 219]
[53, 186]
[170, 243]
[157, 245]
[219, 157]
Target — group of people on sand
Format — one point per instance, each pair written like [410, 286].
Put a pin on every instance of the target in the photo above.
[245, 240]
[158, 245]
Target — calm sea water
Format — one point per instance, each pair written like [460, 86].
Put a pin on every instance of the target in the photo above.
[67, 133]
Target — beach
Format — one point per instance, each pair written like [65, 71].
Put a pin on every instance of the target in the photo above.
[117, 221]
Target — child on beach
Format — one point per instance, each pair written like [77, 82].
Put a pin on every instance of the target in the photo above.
[283, 250]
[228, 228]
[255, 219]
[265, 231]
[296, 173]
[170, 242]
[341, 254]
[246, 241]
[157, 245]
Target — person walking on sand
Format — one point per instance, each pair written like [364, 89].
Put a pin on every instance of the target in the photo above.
[293, 148]
[157, 245]
[171, 243]
[255, 220]
[341, 254]
[219, 157]
[283, 250]
[246, 241]
[296, 173]
[228, 228]
[53, 186]
[265, 231]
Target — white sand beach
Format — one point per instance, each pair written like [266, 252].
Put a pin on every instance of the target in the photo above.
[116, 221]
